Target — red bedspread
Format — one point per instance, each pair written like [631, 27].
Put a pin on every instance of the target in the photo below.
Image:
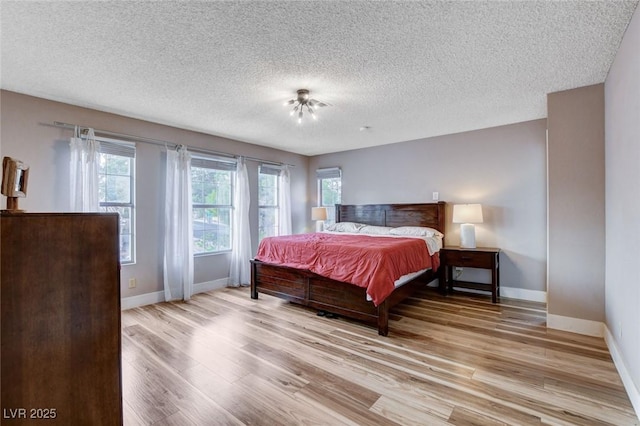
[374, 263]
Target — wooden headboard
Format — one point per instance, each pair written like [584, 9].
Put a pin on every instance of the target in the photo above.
[427, 214]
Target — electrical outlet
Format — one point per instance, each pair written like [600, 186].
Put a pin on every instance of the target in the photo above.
[132, 283]
[436, 196]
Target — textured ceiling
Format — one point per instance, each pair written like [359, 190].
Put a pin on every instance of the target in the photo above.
[408, 70]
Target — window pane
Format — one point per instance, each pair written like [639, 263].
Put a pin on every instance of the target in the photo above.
[125, 220]
[220, 191]
[126, 226]
[330, 195]
[268, 190]
[268, 222]
[198, 230]
[196, 185]
[211, 186]
[125, 248]
[223, 229]
[211, 229]
[102, 188]
[117, 165]
[115, 186]
[331, 191]
[212, 191]
[118, 189]
[114, 179]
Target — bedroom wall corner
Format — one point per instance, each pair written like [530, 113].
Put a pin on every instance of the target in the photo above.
[576, 203]
[622, 156]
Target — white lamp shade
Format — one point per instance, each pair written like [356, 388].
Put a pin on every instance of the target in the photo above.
[318, 213]
[467, 213]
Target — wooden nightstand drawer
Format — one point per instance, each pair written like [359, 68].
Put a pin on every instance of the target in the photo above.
[472, 259]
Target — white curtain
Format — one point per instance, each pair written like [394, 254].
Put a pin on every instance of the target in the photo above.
[284, 201]
[83, 179]
[178, 229]
[240, 272]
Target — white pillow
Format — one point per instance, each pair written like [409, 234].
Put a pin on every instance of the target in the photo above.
[345, 227]
[416, 231]
[375, 230]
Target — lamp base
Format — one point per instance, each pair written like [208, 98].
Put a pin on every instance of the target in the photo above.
[319, 225]
[467, 235]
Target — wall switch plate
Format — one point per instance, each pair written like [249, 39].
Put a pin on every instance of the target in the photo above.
[436, 196]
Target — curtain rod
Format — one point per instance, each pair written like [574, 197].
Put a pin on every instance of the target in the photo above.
[159, 142]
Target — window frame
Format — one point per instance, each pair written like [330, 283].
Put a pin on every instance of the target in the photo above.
[220, 164]
[326, 174]
[125, 149]
[270, 170]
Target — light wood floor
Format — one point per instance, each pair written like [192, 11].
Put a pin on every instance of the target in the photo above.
[225, 359]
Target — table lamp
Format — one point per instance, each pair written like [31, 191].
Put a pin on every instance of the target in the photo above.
[467, 215]
[319, 214]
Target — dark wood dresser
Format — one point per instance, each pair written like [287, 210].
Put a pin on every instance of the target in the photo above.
[60, 313]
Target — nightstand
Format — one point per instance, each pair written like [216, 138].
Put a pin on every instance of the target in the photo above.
[480, 257]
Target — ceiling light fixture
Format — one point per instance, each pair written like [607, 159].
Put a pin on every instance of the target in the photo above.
[303, 101]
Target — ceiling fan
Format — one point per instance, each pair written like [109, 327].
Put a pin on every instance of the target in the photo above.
[303, 101]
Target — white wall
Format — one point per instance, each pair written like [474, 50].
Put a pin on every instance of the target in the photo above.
[27, 133]
[622, 156]
[503, 168]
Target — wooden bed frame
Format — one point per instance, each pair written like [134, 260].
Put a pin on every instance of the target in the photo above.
[309, 289]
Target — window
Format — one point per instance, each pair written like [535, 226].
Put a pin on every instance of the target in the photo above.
[329, 191]
[116, 174]
[212, 192]
[268, 195]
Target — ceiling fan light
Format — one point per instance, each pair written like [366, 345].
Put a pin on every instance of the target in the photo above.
[304, 100]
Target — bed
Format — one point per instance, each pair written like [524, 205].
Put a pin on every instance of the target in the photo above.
[310, 289]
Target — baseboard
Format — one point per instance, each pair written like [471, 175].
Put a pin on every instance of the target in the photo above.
[629, 385]
[523, 294]
[210, 285]
[575, 325]
[141, 300]
[513, 293]
[158, 296]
